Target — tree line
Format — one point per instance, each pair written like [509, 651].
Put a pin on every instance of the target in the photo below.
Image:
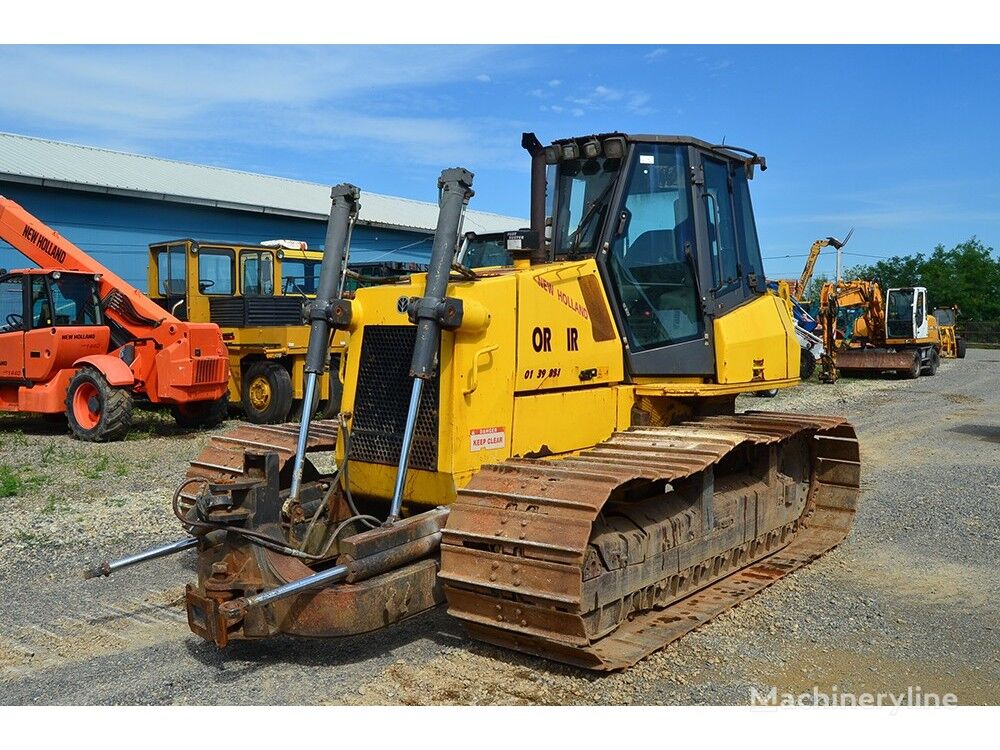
[967, 275]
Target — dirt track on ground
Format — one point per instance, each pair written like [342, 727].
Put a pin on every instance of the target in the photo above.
[909, 600]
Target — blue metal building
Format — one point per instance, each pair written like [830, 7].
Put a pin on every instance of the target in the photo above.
[113, 205]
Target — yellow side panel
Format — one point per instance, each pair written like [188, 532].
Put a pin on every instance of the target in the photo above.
[563, 421]
[756, 342]
[565, 328]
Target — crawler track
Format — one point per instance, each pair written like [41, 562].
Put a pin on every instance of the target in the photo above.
[600, 559]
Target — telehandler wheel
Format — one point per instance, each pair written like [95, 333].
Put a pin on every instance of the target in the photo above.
[807, 365]
[960, 348]
[97, 411]
[267, 393]
[201, 413]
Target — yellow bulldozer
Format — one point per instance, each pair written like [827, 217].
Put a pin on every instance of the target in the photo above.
[551, 446]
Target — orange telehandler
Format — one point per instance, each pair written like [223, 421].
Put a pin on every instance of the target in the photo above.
[76, 339]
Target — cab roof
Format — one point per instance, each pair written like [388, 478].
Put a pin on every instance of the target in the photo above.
[733, 153]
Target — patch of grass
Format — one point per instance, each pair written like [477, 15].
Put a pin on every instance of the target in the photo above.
[26, 537]
[97, 468]
[55, 504]
[14, 439]
[139, 434]
[121, 469]
[49, 452]
[10, 483]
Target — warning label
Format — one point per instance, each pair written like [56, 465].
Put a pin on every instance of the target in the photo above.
[487, 438]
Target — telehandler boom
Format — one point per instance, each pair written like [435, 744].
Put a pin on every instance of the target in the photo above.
[551, 447]
[79, 340]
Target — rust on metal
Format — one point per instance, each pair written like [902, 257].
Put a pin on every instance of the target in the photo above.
[599, 559]
[849, 360]
[222, 460]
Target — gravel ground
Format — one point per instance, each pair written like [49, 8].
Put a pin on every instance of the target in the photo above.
[910, 599]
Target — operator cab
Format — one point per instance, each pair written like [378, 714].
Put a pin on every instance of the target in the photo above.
[48, 319]
[671, 224]
[906, 313]
[209, 281]
[35, 298]
[945, 316]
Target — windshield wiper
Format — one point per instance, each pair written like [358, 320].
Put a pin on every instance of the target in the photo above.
[590, 213]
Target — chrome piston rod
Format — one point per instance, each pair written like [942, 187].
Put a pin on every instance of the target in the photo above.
[331, 575]
[171, 548]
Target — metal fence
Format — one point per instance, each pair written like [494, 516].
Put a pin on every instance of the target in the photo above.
[984, 333]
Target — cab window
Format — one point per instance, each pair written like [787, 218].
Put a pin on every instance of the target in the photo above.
[11, 304]
[299, 276]
[649, 260]
[41, 305]
[171, 270]
[74, 300]
[750, 256]
[721, 227]
[257, 273]
[215, 271]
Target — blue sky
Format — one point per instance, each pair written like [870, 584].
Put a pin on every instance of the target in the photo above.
[893, 140]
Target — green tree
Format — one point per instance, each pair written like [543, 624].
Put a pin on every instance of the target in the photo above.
[968, 275]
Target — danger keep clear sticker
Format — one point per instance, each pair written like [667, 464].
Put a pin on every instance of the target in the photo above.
[487, 438]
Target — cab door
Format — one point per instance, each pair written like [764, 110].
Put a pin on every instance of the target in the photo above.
[12, 326]
[920, 324]
[736, 273]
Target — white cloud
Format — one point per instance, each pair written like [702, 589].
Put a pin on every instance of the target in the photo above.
[656, 53]
[555, 82]
[215, 98]
[483, 78]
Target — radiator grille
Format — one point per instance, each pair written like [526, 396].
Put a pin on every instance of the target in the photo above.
[243, 312]
[383, 397]
[209, 370]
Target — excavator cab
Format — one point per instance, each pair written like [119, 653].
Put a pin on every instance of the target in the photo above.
[906, 313]
[670, 222]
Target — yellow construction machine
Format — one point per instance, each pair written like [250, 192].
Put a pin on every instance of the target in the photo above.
[551, 446]
[952, 345]
[255, 294]
[864, 332]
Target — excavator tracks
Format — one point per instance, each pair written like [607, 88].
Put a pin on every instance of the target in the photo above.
[600, 559]
[221, 461]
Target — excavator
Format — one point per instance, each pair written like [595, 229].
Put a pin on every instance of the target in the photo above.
[866, 332]
[550, 447]
[79, 341]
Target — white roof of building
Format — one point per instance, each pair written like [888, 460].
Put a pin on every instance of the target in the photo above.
[65, 165]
